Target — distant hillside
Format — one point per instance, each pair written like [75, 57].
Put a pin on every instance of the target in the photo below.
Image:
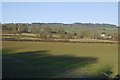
[75, 24]
[61, 30]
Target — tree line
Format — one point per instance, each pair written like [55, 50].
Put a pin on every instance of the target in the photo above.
[60, 30]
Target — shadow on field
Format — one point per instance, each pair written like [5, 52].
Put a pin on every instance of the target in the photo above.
[40, 64]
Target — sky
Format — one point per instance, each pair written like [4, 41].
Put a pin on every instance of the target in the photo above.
[60, 0]
[60, 12]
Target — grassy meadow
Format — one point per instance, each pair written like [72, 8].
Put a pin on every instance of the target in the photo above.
[49, 59]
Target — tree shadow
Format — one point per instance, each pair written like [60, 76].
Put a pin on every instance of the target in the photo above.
[41, 64]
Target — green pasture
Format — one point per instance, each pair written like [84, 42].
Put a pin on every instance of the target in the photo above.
[49, 59]
[99, 30]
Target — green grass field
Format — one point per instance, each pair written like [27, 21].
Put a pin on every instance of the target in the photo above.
[48, 59]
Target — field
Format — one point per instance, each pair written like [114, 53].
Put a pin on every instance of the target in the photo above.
[49, 59]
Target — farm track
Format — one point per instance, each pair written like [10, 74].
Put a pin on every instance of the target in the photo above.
[52, 40]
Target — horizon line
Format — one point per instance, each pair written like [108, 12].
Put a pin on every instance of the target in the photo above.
[59, 23]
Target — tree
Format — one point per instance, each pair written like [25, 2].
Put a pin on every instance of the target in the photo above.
[35, 30]
[115, 36]
[22, 28]
[85, 33]
[61, 32]
[45, 32]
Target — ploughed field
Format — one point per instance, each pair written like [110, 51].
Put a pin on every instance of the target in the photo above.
[49, 59]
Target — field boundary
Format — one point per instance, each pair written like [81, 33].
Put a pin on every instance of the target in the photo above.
[52, 40]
